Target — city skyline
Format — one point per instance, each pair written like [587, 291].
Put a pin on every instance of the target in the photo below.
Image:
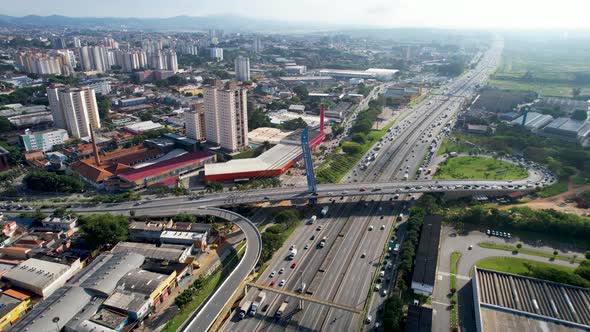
[502, 14]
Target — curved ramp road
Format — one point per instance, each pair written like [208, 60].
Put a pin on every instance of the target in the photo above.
[202, 318]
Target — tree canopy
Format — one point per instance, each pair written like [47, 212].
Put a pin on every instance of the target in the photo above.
[580, 115]
[102, 229]
[48, 181]
[294, 124]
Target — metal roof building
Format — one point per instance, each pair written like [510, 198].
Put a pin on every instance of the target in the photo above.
[77, 301]
[151, 251]
[567, 129]
[39, 276]
[427, 255]
[534, 121]
[508, 302]
[419, 319]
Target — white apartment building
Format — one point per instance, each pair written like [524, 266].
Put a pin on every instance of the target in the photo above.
[242, 66]
[74, 109]
[226, 116]
[194, 121]
[94, 58]
[53, 63]
[43, 140]
[216, 53]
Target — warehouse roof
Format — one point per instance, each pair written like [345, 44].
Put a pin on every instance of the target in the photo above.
[158, 168]
[141, 281]
[64, 304]
[37, 272]
[126, 300]
[530, 301]
[427, 254]
[275, 158]
[419, 319]
[567, 125]
[150, 251]
[105, 271]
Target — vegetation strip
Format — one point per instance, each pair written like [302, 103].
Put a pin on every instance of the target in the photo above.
[488, 245]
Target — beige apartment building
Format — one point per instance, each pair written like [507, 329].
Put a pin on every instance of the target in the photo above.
[74, 109]
[226, 116]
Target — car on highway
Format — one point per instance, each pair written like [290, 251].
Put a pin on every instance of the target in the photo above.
[312, 238]
[282, 283]
[382, 226]
[319, 228]
[272, 284]
[363, 255]
[371, 227]
[282, 270]
[294, 265]
[306, 246]
[272, 274]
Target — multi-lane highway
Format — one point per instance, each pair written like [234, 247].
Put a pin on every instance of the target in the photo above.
[356, 232]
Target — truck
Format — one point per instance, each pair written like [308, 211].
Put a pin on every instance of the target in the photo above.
[324, 211]
[312, 220]
[292, 254]
[406, 177]
[244, 309]
[257, 303]
[281, 309]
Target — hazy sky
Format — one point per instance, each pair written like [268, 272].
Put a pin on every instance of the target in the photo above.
[392, 13]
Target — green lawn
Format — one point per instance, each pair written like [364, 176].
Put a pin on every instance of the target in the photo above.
[516, 265]
[554, 189]
[528, 252]
[542, 67]
[448, 146]
[479, 168]
[454, 259]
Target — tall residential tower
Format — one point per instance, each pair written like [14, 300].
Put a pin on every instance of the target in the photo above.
[242, 66]
[74, 109]
[226, 116]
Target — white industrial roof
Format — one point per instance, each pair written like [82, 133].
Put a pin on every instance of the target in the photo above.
[143, 126]
[275, 158]
[37, 272]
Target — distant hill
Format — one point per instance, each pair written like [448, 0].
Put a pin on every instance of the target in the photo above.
[178, 23]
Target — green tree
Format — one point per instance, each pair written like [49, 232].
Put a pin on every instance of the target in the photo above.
[393, 314]
[359, 138]
[576, 92]
[351, 147]
[48, 181]
[104, 106]
[294, 124]
[301, 91]
[5, 125]
[15, 155]
[257, 118]
[103, 229]
[580, 115]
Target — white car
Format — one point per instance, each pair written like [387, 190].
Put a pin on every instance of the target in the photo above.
[272, 274]
[282, 283]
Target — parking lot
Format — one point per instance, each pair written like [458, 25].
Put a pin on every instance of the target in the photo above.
[451, 242]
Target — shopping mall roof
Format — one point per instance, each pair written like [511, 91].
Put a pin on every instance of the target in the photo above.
[158, 168]
[508, 302]
[275, 158]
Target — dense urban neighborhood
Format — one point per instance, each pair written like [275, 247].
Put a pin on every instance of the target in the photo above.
[215, 174]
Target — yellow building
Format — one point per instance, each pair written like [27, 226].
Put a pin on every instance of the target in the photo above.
[12, 306]
[155, 285]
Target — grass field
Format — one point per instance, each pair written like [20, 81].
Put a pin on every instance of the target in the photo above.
[447, 146]
[554, 189]
[545, 68]
[529, 252]
[516, 265]
[479, 168]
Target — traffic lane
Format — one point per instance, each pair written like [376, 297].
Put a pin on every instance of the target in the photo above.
[279, 262]
[364, 270]
[313, 317]
[298, 238]
[306, 269]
